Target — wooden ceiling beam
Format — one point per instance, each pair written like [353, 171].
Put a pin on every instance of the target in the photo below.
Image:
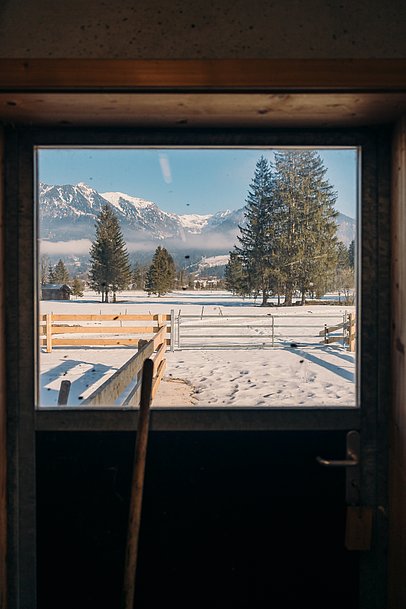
[209, 74]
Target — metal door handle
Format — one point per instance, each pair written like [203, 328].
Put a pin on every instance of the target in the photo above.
[352, 462]
[352, 453]
[338, 463]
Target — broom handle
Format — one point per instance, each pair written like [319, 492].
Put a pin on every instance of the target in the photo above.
[137, 486]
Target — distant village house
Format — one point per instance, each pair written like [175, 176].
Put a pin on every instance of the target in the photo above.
[55, 291]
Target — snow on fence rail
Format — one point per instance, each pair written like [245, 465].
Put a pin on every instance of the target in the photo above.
[261, 330]
[123, 388]
[348, 328]
[89, 330]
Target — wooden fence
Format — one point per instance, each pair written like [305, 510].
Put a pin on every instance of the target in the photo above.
[80, 330]
[123, 388]
[348, 336]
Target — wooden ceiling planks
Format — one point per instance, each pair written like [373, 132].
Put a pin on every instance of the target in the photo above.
[197, 110]
[202, 93]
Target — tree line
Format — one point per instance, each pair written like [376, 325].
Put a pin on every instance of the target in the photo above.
[59, 274]
[289, 243]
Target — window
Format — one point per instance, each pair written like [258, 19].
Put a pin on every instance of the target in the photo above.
[247, 254]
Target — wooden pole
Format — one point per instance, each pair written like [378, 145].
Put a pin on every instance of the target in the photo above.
[137, 486]
[64, 393]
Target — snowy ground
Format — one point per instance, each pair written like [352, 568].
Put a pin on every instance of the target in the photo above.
[298, 370]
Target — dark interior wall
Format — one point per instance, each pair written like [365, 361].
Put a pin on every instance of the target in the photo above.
[203, 29]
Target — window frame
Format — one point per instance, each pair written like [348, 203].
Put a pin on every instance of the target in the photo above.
[20, 260]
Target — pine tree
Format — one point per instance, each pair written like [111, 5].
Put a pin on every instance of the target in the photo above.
[258, 247]
[343, 257]
[110, 268]
[139, 273]
[60, 273]
[351, 254]
[161, 274]
[78, 286]
[51, 278]
[236, 280]
[308, 254]
[344, 278]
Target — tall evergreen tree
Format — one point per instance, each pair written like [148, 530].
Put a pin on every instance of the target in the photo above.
[51, 277]
[236, 279]
[161, 274]
[110, 268]
[351, 254]
[308, 229]
[60, 273]
[257, 247]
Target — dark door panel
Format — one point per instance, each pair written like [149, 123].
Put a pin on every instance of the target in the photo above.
[230, 519]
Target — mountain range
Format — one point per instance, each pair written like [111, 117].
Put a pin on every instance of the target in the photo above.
[69, 212]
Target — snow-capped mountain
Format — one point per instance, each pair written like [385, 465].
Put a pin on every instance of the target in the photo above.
[69, 212]
[143, 216]
[194, 223]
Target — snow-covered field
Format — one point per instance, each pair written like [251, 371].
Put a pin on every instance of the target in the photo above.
[297, 370]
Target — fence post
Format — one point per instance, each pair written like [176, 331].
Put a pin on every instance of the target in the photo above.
[172, 339]
[325, 334]
[344, 324]
[273, 331]
[49, 332]
[351, 336]
[179, 329]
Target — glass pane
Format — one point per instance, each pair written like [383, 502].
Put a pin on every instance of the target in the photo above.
[235, 269]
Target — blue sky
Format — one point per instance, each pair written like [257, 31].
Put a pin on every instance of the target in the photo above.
[194, 181]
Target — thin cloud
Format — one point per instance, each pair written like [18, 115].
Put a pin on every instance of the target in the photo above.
[75, 247]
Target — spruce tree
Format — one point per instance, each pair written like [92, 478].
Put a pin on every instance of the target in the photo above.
[236, 279]
[51, 278]
[78, 286]
[307, 224]
[343, 257]
[60, 273]
[257, 249]
[351, 254]
[110, 268]
[161, 274]
[138, 276]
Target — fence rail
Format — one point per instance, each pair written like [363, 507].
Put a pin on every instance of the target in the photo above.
[261, 330]
[348, 337]
[57, 330]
